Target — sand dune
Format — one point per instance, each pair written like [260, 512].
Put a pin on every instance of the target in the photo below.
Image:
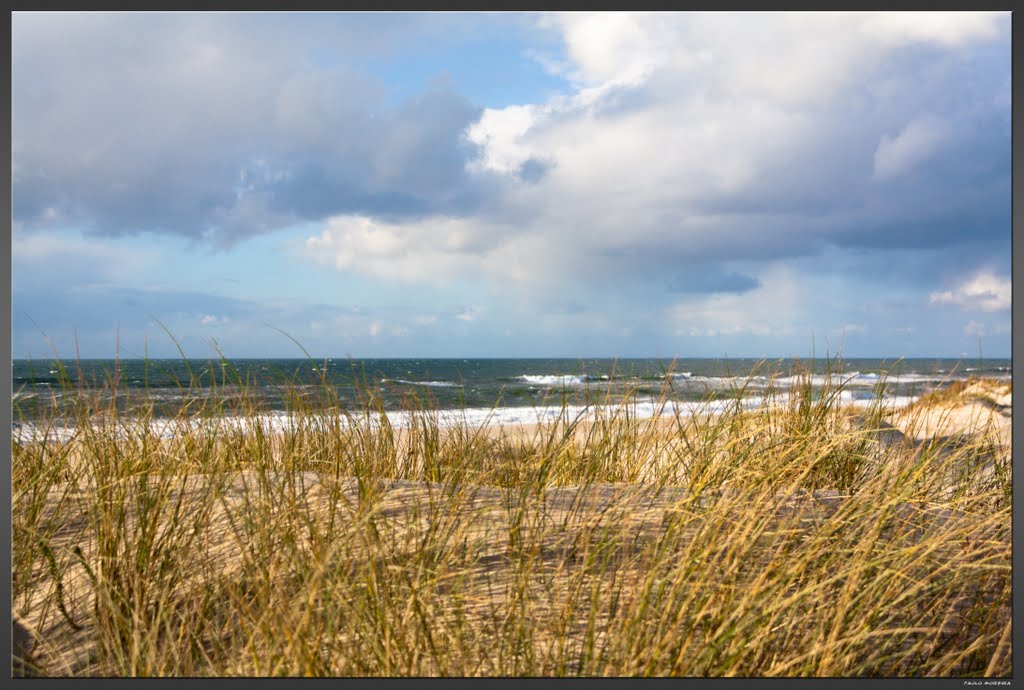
[559, 518]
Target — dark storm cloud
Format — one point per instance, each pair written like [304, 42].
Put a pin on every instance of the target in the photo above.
[196, 126]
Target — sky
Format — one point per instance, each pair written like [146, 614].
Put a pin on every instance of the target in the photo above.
[511, 184]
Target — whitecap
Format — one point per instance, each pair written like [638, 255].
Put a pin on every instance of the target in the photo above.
[434, 384]
[553, 380]
[278, 422]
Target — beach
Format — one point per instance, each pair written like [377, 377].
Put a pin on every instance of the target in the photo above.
[512, 345]
[614, 545]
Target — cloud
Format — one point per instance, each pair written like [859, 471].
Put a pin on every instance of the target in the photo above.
[221, 127]
[436, 250]
[607, 47]
[533, 170]
[775, 307]
[919, 139]
[690, 142]
[948, 28]
[690, 155]
[50, 248]
[497, 133]
[710, 282]
[93, 315]
[469, 314]
[983, 291]
[973, 328]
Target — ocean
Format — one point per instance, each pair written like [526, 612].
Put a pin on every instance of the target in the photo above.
[473, 390]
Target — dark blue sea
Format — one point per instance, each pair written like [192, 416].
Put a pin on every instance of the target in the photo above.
[279, 385]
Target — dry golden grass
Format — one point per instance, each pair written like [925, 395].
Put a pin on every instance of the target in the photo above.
[785, 541]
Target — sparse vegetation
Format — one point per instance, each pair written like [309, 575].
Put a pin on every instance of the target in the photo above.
[972, 388]
[781, 541]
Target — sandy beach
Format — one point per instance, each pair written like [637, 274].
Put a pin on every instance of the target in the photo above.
[55, 620]
[512, 344]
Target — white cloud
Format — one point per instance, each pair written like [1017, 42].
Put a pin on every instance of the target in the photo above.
[441, 250]
[673, 110]
[687, 140]
[973, 328]
[57, 246]
[210, 320]
[849, 329]
[499, 133]
[983, 291]
[612, 46]
[374, 329]
[433, 250]
[948, 28]
[469, 314]
[36, 257]
[774, 308]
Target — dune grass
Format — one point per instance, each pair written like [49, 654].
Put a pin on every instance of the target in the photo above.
[958, 390]
[780, 541]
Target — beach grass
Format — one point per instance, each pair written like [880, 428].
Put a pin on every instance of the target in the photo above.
[794, 539]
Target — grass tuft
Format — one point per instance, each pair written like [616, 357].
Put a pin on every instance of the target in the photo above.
[796, 539]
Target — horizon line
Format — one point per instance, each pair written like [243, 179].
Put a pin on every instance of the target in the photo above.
[530, 357]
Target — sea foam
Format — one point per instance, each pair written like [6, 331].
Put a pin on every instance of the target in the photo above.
[283, 422]
[554, 380]
[432, 384]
